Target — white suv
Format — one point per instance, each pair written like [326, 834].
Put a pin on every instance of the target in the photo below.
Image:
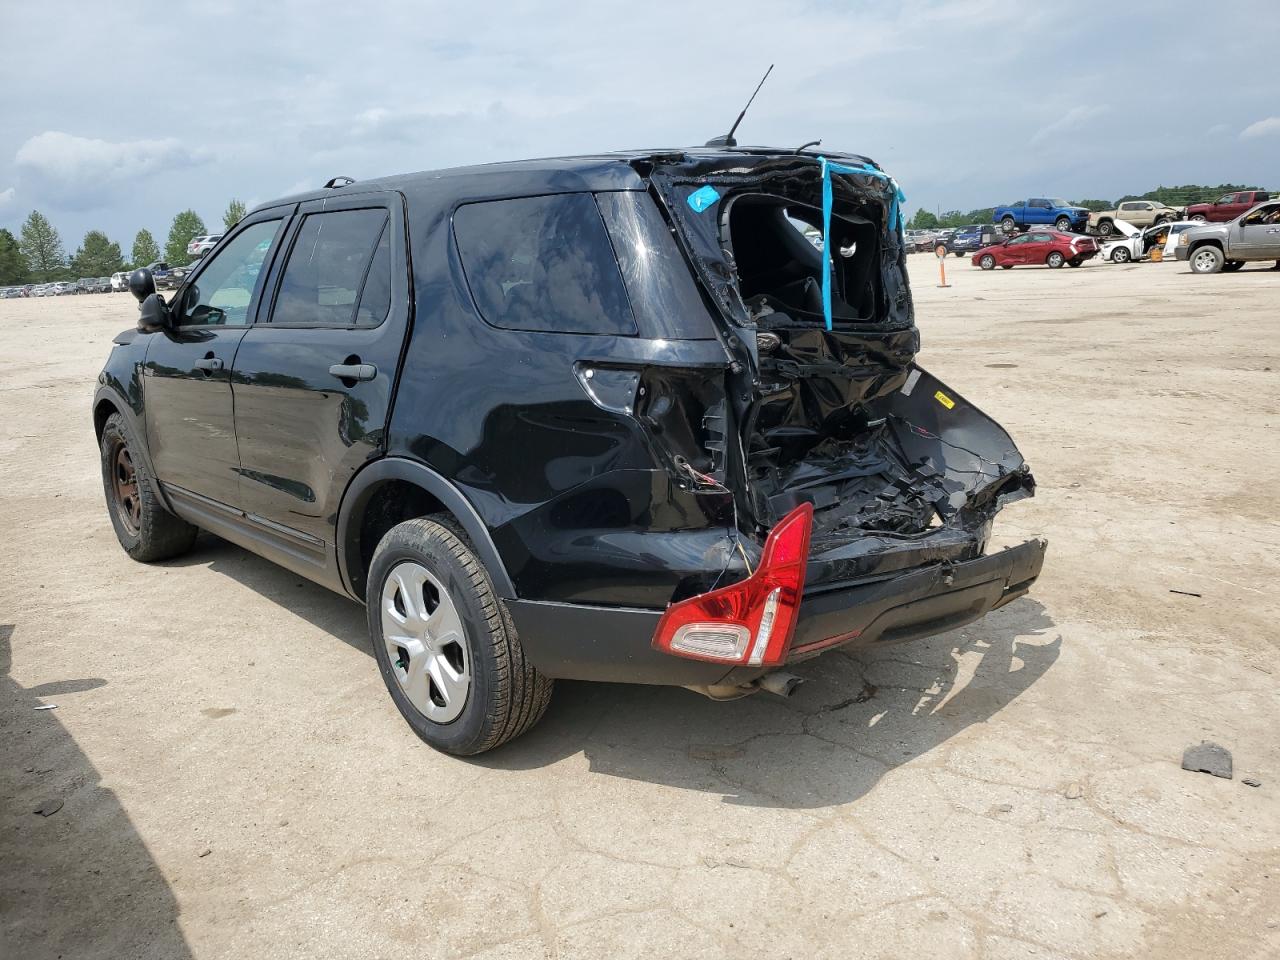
[201, 245]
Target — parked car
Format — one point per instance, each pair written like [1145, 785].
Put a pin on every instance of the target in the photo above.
[968, 239]
[102, 285]
[1041, 210]
[1211, 248]
[84, 285]
[1228, 206]
[1049, 247]
[1127, 242]
[64, 287]
[696, 500]
[120, 281]
[202, 244]
[1138, 213]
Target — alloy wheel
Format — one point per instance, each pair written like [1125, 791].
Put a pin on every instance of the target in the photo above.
[425, 641]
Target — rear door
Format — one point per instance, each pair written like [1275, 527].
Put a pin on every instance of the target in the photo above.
[187, 372]
[313, 383]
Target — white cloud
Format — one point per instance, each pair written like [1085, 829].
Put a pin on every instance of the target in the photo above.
[6, 197]
[1073, 119]
[1261, 128]
[79, 162]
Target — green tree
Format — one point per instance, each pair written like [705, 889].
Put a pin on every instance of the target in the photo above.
[923, 220]
[186, 225]
[235, 213]
[42, 248]
[13, 265]
[144, 249]
[1095, 206]
[97, 256]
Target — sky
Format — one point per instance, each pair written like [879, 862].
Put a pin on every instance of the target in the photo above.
[117, 121]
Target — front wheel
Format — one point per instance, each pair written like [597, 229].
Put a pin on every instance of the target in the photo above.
[1055, 259]
[147, 531]
[1105, 228]
[1207, 260]
[987, 262]
[1007, 225]
[1063, 224]
[445, 644]
[1200, 218]
[1121, 255]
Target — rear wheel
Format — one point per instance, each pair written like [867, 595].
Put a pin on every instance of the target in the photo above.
[1200, 218]
[445, 643]
[987, 262]
[147, 531]
[1207, 260]
[1055, 259]
[959, 253]
[1063, 224]
[1160, 221]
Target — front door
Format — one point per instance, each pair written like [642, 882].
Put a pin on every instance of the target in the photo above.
[313, 385]
[1015, 251]
[1258, 234]
[187, 374]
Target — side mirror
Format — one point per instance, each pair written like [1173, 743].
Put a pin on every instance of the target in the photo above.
[153, 312]
[142, 284]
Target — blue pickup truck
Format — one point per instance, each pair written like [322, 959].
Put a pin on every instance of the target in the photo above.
[1041, 210]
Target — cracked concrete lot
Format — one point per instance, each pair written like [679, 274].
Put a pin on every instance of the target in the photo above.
[236, 782]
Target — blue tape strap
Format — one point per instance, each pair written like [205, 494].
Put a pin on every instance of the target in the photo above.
[895, 206]
[703, 197]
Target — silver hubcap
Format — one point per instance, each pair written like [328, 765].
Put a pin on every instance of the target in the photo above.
[1055, 259]
[1205, 261]
[425, 642]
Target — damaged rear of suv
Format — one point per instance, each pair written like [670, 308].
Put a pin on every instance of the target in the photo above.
[603, 418]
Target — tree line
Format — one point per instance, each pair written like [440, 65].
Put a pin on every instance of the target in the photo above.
[1171, 196]
[37, 254]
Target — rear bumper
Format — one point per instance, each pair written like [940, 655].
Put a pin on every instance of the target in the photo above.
[578, 642]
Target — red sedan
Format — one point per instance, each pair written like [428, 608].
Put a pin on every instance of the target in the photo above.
[1049, 247]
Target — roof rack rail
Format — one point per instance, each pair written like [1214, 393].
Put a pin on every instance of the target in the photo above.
[338, 182]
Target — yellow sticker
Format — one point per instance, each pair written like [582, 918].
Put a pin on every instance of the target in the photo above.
[943, 399]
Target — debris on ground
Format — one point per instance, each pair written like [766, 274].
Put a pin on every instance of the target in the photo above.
[866, 693]
[1251, 782]
[205, 852]
[48, 808]
[47, 706]
[1073, 791]
[1186, 593]
[1206, 757]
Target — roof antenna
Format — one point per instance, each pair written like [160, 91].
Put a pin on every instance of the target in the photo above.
[727, 140]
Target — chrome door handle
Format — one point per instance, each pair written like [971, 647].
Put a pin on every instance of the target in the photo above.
[353, 371]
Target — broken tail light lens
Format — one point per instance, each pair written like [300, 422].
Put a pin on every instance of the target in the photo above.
[750, 622]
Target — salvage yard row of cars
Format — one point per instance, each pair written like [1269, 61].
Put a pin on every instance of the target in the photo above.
[166, 277]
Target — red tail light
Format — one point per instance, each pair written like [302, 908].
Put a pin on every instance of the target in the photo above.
[750, 622]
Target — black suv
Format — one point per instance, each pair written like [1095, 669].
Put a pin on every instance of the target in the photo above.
[587, 418]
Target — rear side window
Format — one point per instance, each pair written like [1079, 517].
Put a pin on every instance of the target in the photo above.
[327, 269]
[543, 264]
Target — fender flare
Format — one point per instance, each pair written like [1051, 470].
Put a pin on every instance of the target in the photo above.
[107, 393]
[412, 471]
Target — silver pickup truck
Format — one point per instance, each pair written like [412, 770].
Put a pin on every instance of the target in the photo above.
[1229, 246]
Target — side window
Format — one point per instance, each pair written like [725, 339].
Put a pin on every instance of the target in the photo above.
[221, 294]
[375, 299]
[1040, 204]
[544, 264]
[1041, 238]
[326, 270]
[1025, 238]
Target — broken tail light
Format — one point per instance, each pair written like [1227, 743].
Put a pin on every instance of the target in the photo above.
[750, 622]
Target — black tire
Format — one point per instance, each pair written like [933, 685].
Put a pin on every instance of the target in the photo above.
[1063, 224]
[1055, 259]
[1104, 228]
[987, 262]
[1231, 266]
[1074, 263]
[1206, 259]
[1161, 220]
[1200, 218]
[1008, 225]
[959, 253]
[506, 695]
[147, 531]
[1121, 255]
